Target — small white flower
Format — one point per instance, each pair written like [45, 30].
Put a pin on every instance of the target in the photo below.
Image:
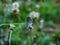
[15, 4]
[15, 7]
[37, 6]
[34, 14]
[12, 25]
[41, 23]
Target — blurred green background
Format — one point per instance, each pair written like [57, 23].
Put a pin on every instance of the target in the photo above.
[49, 11]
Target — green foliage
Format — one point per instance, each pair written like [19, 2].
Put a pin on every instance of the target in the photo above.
[57, 34]
[48, 11]
[50, 24]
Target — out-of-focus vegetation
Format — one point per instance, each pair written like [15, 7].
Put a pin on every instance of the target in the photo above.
[49, 12]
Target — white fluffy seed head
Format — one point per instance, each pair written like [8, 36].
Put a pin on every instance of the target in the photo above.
[15, 7]
[34, 14]
[15, 4]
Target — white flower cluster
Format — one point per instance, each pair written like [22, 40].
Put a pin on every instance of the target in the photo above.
[34, 14]
[41, 23]
[15, 6]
